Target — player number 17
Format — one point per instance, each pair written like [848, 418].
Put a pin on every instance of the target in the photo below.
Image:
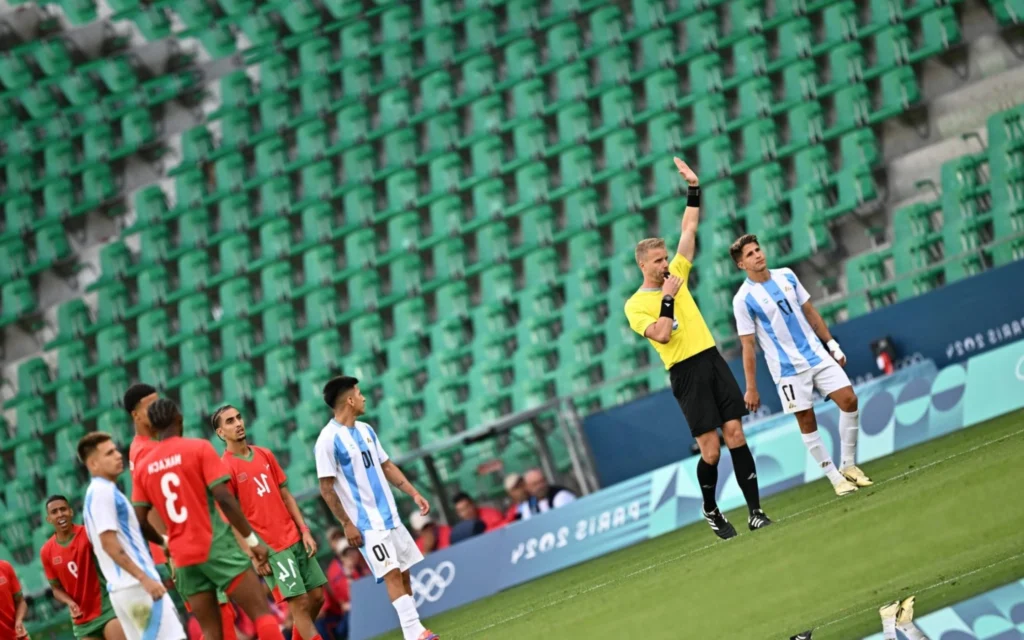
[788, 393]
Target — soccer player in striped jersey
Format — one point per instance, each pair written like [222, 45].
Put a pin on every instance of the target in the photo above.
[138, 596]
[261, 486]
[183, 479]
[354, 473]
[802, 355]
[70, 566]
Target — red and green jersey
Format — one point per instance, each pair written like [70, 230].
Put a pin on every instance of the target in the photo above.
[257, 481]
[9, 588]
[72, 567]
[141, 445]
[175, 478]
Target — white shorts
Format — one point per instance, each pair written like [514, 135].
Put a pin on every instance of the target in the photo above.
[141, 617]
[386, 551]
[797, 392]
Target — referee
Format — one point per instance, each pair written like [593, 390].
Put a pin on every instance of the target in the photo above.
[663, 311]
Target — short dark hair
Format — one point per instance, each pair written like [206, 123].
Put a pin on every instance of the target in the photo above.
[462, 495]
[90, 442]
[215, 417]
[736, 250]
[135, 394]
[55, 498]
[337, 386]
[163, 413]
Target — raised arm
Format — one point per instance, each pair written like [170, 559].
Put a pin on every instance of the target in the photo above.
[330, 496]
[399, 481]
[821, 330]
[691, 216]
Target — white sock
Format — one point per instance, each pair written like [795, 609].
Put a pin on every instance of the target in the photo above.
[912, 632]
[888, 628]
[816, 447]
[409, 617]
[848, 428]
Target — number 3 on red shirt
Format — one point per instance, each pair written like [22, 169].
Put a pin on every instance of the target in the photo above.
[166, 482]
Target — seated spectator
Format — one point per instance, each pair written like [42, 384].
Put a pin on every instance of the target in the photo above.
[544, 496]
[332, 623]
[519, 497]
[467, 509]
[430, 536]
[465, 529]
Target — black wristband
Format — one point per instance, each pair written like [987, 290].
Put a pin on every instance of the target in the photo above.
[693, 196]
[668, 307]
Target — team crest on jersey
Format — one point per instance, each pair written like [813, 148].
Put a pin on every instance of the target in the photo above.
[242, 477]
[3, 580]
[58, 560]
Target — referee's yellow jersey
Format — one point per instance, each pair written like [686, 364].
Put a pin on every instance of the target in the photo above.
[690, 334]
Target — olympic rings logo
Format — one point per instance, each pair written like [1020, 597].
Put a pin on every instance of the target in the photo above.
[429, 585]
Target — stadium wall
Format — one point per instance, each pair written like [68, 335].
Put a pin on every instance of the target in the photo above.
[918, 403]
[946, 326]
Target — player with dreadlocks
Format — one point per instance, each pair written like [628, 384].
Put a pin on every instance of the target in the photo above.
[182, 478]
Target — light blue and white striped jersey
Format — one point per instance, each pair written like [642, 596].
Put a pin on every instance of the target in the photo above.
[107, 509]
[772, 310]
[353, 456]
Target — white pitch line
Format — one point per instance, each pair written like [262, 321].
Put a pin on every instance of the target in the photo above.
[967, 574]
[817, 507]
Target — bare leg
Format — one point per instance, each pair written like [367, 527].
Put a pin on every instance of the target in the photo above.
[113, 630]
[207, 611]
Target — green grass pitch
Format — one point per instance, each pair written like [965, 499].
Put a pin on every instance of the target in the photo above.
[944, 520]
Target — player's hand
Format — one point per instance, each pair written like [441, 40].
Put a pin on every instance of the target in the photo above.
[671, 285]
[752, 399]
[155, 589]
[355, 538]
[309, 542]
[422, 503]
[20, 631]
[261, 559]
[687, 173]
[836, 352]
[74, 610]
[261, 569]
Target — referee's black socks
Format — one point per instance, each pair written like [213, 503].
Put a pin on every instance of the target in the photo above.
[746, 475]
[707, 477]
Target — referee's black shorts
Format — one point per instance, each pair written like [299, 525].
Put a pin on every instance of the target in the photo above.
[706, 391]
